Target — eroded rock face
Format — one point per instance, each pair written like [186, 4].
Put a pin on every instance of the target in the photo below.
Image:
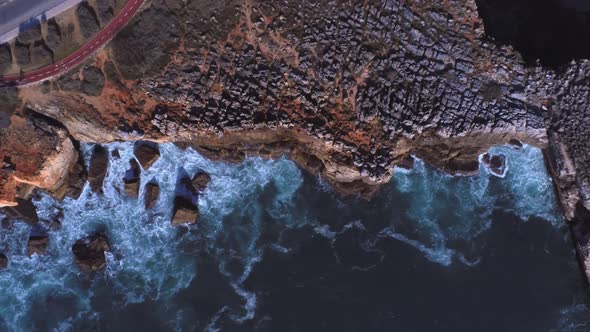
[89, 252]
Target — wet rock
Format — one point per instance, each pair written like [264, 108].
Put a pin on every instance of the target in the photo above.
[99, 163]
[89, 252]
[495, 163]
[185, 212]
[131, 179]
[200, 181]
[3, 261]
[24, 211]
[38, 240]
[147, 153]
[152, 192]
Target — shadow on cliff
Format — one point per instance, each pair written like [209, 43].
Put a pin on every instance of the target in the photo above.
[548, 30]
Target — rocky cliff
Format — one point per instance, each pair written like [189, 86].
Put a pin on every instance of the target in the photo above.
[347, 88]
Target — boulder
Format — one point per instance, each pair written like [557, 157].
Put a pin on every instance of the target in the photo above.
[99, 164]
[89, 252]
[131, 179]
[38, 240]
[152, 191]
[200, 181]
[146, 153]
[495, 163]
[3, 261]
[185, 212]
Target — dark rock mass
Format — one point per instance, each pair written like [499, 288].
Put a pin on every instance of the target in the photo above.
[89, 252]
[495, 163]
[89, 25]
[3, 261]
[184, 212]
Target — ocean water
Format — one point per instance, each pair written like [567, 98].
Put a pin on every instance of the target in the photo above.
[276, 250]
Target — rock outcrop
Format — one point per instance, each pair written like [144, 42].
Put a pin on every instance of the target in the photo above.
[89, 252]
[99, 165]
[152, 192]
[348, 90]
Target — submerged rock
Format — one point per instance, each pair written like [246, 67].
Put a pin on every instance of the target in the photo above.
[495, 163]
[3, 261]
[131, 179]
[516, 144]
[201, 181]
[99, 163]
[89, 252]
[152, 192]
[147, 153]
[185, 212]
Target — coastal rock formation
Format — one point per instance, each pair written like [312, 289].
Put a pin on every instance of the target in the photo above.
[184, 213]
[348, 90]
[89, 252]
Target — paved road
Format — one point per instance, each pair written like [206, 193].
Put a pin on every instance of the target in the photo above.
[77, 57]
[14, 12]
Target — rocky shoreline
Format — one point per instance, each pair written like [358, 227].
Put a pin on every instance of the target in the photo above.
[349, 95]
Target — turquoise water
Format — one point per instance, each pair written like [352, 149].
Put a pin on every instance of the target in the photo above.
[227, 271]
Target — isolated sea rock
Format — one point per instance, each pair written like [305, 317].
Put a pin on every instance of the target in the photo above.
[496, 163]
[152, 192]
[3, 261]
[200, 181]
[38, 240]
[147, 153]
[131, 179]
[185, 212]
[89, 252]
[99, 164]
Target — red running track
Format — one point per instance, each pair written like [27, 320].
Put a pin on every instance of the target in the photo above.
[82, 53]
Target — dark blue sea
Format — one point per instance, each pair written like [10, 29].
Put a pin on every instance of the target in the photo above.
[276, 249]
